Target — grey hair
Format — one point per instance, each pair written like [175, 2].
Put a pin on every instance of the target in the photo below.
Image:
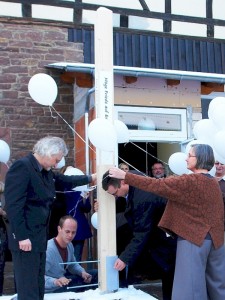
[204, 156]
[50, 145]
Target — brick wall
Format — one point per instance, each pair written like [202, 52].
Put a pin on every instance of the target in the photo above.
[25, 49]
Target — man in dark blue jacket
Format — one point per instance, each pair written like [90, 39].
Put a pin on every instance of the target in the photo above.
[143, 213]
[30, 190]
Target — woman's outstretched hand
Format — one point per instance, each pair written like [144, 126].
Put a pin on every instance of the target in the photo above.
[116, 173]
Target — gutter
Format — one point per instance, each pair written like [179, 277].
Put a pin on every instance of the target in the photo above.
[141, 72]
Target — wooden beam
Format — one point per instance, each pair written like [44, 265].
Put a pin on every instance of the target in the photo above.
[104, 102]
[26, 10]
[166, 23]
[83, 80]
[130, 79]
[146, 13]
[209, 15]
[209, 87]
[172, 82]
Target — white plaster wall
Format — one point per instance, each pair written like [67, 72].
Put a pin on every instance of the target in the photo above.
[155, 92]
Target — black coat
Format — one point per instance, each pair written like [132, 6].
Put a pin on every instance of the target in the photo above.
[29, 195]
[143, 213]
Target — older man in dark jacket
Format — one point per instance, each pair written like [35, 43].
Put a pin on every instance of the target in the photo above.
[143, 212]
[30, 190]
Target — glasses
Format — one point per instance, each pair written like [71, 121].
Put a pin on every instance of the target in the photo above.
[160, 168]
[189, 155]
[218, 163]
[114, 194]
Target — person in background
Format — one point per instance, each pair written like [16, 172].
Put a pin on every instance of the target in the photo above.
[158, 170]
[3, 238]
[58, 209]
[123, 230]
[123, 166]
[220, 176]
[59, 275]
[148, 246]
[195, 213]
[30, 190]
[78, 205]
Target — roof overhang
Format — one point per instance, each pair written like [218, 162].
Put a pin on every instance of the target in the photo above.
[141, 72]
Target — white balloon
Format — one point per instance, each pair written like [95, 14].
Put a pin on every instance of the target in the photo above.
[43, 89]
[146, 124]
[61, 163]
[74, 171]
[218, 157]
[212, 171]
[177, 163]
[122, 132]
[218, 116]
[94, 220]
[214, 103]
[205, 131]
[4, 152]
[219, 143]
[102, 134]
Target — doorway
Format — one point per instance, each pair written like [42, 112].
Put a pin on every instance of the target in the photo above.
[139, 155]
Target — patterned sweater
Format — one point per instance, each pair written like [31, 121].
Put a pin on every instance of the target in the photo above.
[194, 208]
[55, 270]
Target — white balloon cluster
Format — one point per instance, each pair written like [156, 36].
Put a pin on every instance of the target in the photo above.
[4, 152]
[212, 131]
[104, 135]
[206, 131]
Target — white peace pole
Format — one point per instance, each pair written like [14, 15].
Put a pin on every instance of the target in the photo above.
[104, 99]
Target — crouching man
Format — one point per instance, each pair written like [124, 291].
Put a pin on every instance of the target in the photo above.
[59, 275]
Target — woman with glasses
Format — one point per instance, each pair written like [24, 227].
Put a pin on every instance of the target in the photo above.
[195, 213]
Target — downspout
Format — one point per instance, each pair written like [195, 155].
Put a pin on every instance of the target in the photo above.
[86, 122]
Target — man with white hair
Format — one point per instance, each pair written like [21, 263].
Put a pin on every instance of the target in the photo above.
[30, 190]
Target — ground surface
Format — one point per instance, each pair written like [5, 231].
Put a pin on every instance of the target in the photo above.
[152, 288]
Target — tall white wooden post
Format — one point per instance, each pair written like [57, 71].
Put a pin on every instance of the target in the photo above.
[104, 99]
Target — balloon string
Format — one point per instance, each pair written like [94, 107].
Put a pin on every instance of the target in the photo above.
[131, 166]
[94, 150]
[70, 127]
[149, 153]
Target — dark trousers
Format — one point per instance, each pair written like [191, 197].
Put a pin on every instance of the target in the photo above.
[78, 249]
[2, 266]
[29, 270]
